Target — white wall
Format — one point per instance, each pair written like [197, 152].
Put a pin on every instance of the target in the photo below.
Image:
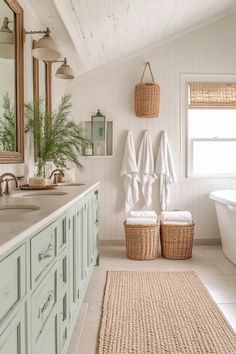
[208, 50]
[58, 89]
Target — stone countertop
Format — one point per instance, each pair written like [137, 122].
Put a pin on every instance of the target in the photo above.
[16, 225]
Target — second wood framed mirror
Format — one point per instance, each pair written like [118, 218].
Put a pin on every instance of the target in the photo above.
[42, 83]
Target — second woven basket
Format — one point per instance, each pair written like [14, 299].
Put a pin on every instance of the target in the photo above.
[177, 241]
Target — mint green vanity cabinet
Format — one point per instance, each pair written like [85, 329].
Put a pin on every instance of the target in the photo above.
[44, 279]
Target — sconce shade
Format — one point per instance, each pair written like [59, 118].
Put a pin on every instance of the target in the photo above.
[7, 49]
[65, 72]
[46, 49]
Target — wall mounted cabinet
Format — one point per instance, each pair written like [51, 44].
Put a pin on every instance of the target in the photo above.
[38, 316]
[101, 143]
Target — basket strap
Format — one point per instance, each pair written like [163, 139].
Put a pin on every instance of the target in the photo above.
[145, 67]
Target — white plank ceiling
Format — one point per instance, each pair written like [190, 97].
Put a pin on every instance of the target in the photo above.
[106, 30]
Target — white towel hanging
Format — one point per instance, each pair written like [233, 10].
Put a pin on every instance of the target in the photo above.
[164, 170]
[129, 171]
[146, 174]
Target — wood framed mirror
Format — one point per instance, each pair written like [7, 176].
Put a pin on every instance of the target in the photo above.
[12, 82]
[42, 86]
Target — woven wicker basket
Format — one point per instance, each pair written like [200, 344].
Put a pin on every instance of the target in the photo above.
[177, 241]
[147, 97]
[142, 241]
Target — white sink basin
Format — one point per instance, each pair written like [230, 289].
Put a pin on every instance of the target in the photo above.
[21, 207]
[39, 193]
[16, 212]
[72, 184]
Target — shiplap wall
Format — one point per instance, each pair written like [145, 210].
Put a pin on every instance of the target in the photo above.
[211, 49]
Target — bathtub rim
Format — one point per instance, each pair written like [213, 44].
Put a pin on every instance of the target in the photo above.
[221, 196]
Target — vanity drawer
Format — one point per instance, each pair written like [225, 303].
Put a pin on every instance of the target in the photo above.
[43, 252]
[42, 303]
[13, 281]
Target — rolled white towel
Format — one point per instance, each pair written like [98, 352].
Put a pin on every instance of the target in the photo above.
[180, 216]
[143, 214]
[140, 221]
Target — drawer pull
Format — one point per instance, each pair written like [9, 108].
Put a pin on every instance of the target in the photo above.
[47, 253]
[45, 305]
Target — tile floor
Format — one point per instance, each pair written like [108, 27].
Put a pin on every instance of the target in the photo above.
[216, 272]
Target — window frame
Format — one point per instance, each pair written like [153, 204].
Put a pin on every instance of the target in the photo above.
[187, 143]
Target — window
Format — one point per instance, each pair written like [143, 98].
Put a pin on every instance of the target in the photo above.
[211, 129]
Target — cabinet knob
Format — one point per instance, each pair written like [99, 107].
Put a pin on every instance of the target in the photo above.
[47, 253]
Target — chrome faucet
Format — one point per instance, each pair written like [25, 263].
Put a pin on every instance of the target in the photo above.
[7, 189]
[57, 175]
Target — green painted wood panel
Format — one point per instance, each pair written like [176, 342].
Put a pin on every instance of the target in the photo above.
[72, 227]
[12, 281]
[62, 233]
[63, 318]
[48, 343]
[13, 336]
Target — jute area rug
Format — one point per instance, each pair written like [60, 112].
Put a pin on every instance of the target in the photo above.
[162, 312]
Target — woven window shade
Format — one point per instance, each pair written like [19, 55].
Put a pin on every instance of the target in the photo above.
[212, 95]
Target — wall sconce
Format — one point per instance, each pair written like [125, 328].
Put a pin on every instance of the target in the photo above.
[45, 48]
[64, 71]
[7, 49]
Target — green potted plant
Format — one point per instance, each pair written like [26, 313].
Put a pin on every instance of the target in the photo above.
[56, 137]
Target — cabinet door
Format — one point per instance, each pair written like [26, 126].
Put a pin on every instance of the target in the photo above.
[49, 342]
[96, 226]
[43, 302]
[13, 336]
[63, 318]
[72, 227]
[90, 231]
[81, 247]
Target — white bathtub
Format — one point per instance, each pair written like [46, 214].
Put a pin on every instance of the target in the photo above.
[225, 203]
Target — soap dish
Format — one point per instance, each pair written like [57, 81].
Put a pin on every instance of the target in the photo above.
[28, 187]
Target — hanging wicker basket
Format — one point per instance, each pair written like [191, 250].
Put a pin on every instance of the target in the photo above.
[147, 97]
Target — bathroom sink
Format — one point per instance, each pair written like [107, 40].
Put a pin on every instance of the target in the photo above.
[16, 212]
[39, 193]
[21, 207]
[72, 184]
